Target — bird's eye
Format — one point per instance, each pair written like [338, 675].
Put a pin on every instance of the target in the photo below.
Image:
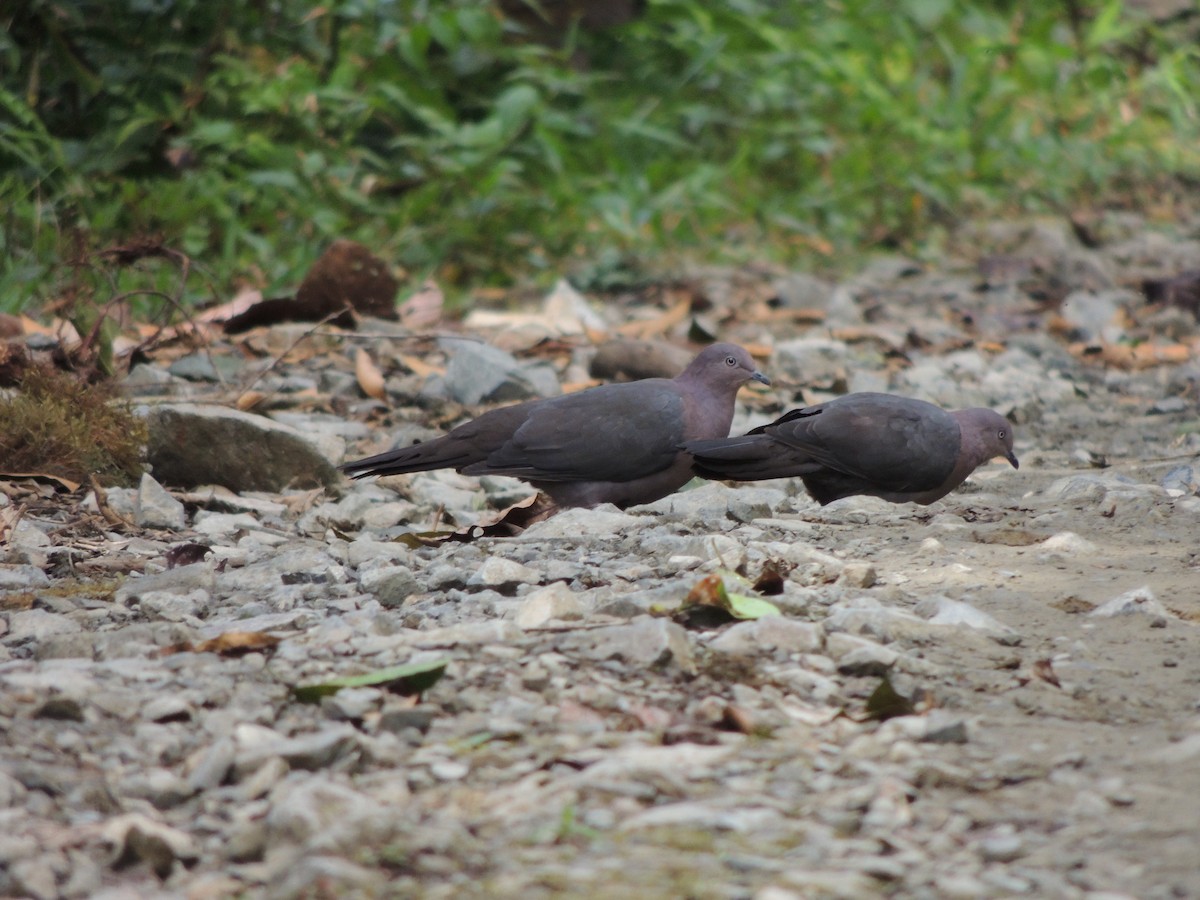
[1000, 434]
[731, 360]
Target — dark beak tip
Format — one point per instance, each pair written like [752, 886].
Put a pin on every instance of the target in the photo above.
[1012, 458]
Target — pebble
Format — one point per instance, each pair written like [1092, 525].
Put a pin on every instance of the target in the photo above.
[553, 602]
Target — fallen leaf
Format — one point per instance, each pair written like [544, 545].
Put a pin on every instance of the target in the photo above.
[1044, 670]
[660, 324]
[57, 480]
[709, 593]
[418, 366]
[370, 378]
[231, 643]
[424, 308]
[408, 679]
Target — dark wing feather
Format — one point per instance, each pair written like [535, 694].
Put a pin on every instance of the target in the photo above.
[611, 433]
[890, 443]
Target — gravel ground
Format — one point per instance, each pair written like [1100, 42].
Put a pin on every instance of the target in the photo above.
[587, 739]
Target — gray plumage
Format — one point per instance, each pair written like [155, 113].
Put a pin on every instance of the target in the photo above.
[880, 445]
[617, 443]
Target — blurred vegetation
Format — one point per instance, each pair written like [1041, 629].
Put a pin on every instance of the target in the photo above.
[249, 135]
[58, 424]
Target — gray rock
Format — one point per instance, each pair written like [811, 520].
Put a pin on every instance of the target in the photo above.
[155, 508]
[769, 633]
[1096, 315]
[79, 645]
[644, 643]
[36, 625]
[181, 580]
[941, 610]
[480, 373]
[390, 585]
[1139, 601]
[584, 524]
[191, 445]
[812, 360]
[503, 574]
[800, 290]
[315, 750]
[172, 607]
[366, 550]
[321, 814]
[207, 367]
[22, 578]
[555, 601]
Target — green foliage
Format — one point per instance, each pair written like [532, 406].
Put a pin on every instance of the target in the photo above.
[250, 135]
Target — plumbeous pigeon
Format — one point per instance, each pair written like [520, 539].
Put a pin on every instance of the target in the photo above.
[617, 443]
[880, 445]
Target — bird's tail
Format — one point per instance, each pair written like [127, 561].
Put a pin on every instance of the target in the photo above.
[435, 454]
[744, 458]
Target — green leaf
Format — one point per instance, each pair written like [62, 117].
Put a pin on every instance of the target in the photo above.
[742, 606]
[412, 678]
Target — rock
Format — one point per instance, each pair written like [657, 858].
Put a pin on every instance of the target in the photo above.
[321, 814]
[858, 656]
[391, 585]
[22, 578]
[155, 508]
[34, 625]
[812, 361]
[191, 445]
[585, 525]
[1068, 543]
[311, 751]
[556, 601]
[503, 575]
[480, 373]
[1139, 601]
[944, 611]
[769, 633]
[644, 643]
[858, 575]
[135, 837]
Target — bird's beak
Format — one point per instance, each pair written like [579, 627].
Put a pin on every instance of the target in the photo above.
[759, 377]
[1012, 458]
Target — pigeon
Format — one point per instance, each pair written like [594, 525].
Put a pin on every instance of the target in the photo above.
[879, 445]
[617, 443]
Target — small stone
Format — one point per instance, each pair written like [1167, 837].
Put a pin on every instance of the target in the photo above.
[645, 642]
[449, 770]
[156, 508]
[68, 709]
[22, 578]
[868, 660]
[397, 720]
[1002, 848]
[503, 575]
[769, 633]
[944, 611]
[555, 601]
[1069, 543]
[1139, 601]
[391, 585]
[858, 575]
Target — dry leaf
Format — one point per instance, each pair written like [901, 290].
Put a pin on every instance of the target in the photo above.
[424, 308]
[250, 399]
[1044, 670]
[65, 483]
[370, 378]
[418, 366]
[237, 643]
[646, 329]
